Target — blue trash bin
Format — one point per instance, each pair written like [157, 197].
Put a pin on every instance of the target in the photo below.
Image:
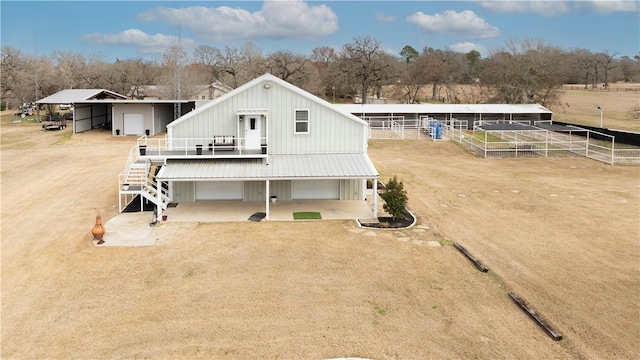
[438, 130]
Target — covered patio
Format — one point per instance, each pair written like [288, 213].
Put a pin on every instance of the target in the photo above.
[231, 210]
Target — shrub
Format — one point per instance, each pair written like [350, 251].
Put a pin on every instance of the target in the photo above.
[395, 198]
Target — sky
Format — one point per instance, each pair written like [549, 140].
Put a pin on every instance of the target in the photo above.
[145, 29]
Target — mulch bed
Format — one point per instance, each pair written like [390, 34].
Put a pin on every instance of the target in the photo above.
[387, 222]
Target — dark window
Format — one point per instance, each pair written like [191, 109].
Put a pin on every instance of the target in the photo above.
[302, 122]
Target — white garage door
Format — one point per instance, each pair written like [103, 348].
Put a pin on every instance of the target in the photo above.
[133, 124]
[315, 189]
[219, 190]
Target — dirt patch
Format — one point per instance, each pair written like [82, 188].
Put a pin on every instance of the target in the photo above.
[322, 289]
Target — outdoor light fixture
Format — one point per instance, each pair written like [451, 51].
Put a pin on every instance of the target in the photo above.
[267, 86]
[601, 111]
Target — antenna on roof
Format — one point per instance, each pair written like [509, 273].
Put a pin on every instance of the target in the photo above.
[177, 85]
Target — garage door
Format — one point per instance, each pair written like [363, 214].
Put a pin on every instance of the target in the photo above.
[133, 124]
[315, 189]
[219, 190]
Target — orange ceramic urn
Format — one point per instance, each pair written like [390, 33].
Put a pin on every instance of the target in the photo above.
[98, 230]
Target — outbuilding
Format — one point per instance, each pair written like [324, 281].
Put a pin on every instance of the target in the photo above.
[108, 110]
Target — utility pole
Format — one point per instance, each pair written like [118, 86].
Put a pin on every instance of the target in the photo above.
[177, 82]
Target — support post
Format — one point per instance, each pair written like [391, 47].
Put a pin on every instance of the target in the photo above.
[159, 199]
[267, 198]
[375, 198]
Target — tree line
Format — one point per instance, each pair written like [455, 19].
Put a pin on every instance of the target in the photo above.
[527, 71]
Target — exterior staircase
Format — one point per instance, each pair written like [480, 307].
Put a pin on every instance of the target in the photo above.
[138, 179]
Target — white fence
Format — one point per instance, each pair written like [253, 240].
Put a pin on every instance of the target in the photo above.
[569, 141]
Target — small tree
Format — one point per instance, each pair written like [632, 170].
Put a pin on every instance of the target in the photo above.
[395, 198]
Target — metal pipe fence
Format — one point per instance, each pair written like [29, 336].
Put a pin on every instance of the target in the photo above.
[566, 142]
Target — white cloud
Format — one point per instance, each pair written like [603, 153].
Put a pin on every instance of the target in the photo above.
[382, 17]
[546, 8]
[609, 6]
[145, 43]
[558, 7]
[465, 47]
[463, 24]
[290, 19]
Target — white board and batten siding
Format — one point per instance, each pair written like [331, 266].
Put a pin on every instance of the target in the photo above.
[315, 189]
[333, 189]
[219, 190]
[255, 190]
[330, 131]
[285, 190]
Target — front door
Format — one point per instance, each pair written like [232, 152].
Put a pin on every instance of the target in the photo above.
[252, 133]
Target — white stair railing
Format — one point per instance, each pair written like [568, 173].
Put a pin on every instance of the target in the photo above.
[150, 192]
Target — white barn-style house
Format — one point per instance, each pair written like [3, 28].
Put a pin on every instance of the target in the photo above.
[265, 139]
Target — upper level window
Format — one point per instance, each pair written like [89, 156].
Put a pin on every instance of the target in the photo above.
[302, 122]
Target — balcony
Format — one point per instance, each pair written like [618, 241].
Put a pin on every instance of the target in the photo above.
[202, 148]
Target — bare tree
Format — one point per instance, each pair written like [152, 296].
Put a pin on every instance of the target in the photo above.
[208, 57]
[69, 65]
[630, 69]
[527, 72]
[582, 67]
[237, 66]
[607, 61]
[414, 77]
[287, 66]
[437, 63]
[324, 59]
[362, 62]
[176, 81]
[129, 76]
[15, 82]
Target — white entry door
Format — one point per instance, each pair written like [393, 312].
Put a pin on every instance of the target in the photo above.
[252, 133]
[133, 124]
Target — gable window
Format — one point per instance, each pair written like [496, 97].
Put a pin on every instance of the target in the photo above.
[302, 122]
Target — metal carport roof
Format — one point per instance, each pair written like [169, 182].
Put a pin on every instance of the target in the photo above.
[281, 167]
[443, 108]
[70, 96]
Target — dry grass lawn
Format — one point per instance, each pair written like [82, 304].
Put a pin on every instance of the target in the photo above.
[562, 233]
[576, 103]
[578, 106]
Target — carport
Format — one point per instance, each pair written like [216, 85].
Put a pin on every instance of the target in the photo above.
[92, 108]
[100, 108]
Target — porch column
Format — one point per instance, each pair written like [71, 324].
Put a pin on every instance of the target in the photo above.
[266, 199]
[159, 199]
[375, 198]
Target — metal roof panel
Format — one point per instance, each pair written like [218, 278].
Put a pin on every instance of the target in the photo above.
[280, 167]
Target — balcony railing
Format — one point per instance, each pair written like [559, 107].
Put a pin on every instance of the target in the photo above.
[216, 146]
